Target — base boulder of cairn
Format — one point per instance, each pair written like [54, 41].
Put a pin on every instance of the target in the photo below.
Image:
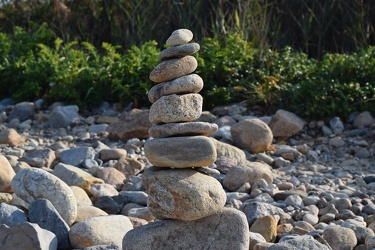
[187, 201]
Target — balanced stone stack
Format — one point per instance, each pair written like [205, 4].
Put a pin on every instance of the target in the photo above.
[179, 152]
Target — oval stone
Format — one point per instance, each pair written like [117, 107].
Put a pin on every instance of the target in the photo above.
[179, 51]
[183, 128]
[180, 152]
[174, 108]
[32, 183]
[179, 37]
[182, 194]
[173, 68]
[192, 83]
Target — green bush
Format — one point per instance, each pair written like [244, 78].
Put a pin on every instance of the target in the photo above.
[232, 68]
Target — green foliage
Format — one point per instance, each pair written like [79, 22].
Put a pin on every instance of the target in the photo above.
[233, 70]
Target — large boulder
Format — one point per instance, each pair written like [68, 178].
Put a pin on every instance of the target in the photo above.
[253, 135]
[202, 194]
[284, 124]
[226, 229]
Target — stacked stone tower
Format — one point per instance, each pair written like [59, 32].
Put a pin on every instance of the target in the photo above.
[180, 145]
[188, 203]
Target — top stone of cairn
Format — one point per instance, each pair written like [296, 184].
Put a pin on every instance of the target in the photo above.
[180, 37]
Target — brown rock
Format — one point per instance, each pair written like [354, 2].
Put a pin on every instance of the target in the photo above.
[81, 196]
[174, 108]
[10, 136]
[249, 172]
[173, 68]
[182, 129]
[6, 174]
[179, 51]
[192, 83]
[112, 154]
[130, 166]
[180, 152]
[134, 124]
[182, 194]
[284, 124]
[85, 212]
[111, 176]
[266, 226]
[253, 135]
[137, 222]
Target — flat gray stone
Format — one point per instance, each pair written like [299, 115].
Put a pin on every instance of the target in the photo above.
[179, 37]
[26, 236]
[39, 158]
[183, 129]
[11, 215]
[173, 68]
[174, 108]
[75, 156]
[192, 83]
[179, 51]
[227, 229]
[43, 213]
[180, 152]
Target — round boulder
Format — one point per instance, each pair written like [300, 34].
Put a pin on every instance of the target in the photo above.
[183, 194]
[253, 135]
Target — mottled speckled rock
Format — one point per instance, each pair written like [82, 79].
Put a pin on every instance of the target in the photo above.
[101, 230]
[173, 68]
[227, 229]
[32, 183]
[179, 51]
[179, 37]
[254, 135]
[182, 194]
[340, 238]
[180, 152]
[192, 83]
[182, 129]
[175, 108]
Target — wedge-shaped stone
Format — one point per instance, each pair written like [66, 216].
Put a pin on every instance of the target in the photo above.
[180, 152]
[192, 83]
[227, 229]
[174, 68]
[182, 128]
[180, 36]
[174, 108]
[179, 51]
[202, 194]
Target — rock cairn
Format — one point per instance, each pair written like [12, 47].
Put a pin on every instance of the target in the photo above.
[179, 186]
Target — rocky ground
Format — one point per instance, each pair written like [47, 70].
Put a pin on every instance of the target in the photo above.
[301, 184]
